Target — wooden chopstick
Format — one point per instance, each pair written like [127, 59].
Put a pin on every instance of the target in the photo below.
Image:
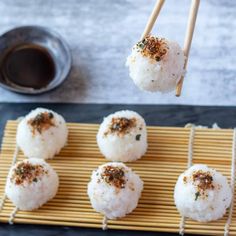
[188, 39]
[152, 18]
[189, 32]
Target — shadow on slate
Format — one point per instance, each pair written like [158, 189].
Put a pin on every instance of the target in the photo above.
[162, 115]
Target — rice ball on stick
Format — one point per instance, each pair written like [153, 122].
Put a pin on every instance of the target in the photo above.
[202, 194]
[156, 64]
[114, 190]
[31, 183]
[122, 136]
[42, 134]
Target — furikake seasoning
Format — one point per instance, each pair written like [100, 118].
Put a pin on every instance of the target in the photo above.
[41, 122]
[153, 47]
[121, 125]
[114, 176]
[27, 172]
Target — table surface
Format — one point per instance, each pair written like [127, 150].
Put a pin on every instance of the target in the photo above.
[92, 113]
[101, 34]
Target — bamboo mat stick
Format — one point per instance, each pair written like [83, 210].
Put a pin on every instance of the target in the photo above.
[188, 39]
[152, 18]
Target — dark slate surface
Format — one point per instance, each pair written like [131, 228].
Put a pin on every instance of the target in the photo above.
[154, 115]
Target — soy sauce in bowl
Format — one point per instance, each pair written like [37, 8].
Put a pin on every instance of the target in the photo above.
[33, 60]
[28, 65]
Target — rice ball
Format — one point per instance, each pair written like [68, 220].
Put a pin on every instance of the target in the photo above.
[114, 190]
[156, 64]
[202, 194]
[42, 134]
[31, 183]
[122, 136]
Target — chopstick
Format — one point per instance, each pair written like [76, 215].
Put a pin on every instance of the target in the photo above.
[188, 39]
[152, 18]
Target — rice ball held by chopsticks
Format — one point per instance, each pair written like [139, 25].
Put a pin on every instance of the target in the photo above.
[156, 64]
[122, 136]
[42, 134]
[114, 190]
[202, 194]
[31, 183]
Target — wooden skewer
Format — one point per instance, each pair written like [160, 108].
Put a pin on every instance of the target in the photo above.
[188, 39]
[153, 17]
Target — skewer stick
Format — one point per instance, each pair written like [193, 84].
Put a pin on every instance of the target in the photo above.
[152, 18]
[188, 39]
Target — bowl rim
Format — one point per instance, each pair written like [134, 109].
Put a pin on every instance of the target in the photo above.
[65, 74]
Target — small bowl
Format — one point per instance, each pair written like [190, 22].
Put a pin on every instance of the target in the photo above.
[39, 36]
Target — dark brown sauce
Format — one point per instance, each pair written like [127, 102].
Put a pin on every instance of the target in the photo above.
[28, 66]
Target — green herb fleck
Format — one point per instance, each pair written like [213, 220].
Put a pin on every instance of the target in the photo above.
[50, 115]
[197, 194]
[142, 43]
[138, 136]
[35, 180]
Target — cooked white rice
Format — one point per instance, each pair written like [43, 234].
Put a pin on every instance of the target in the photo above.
[118, 142]
[33, 189]
[41, 143]
[113, 194]
[152, 75]
[202, 194]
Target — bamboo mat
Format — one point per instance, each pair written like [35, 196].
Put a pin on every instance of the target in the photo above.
[165, 159]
